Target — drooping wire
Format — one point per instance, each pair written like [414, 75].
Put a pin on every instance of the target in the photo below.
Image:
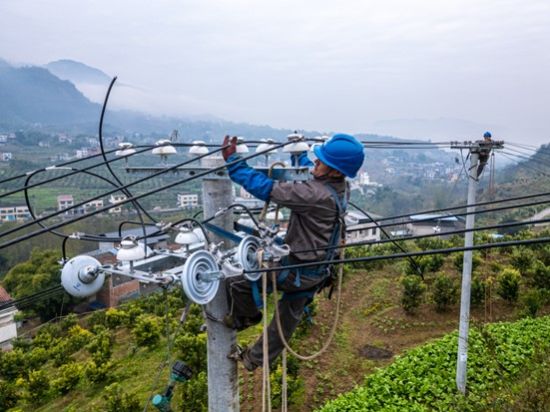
[70, 162]
[137, 206]
[151, 192]
[429, 235]
[411, 259]
[405, 255]
[56, 168]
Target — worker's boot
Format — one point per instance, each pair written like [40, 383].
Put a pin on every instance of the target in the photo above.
[238, 354]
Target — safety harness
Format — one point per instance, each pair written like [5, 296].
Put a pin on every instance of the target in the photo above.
[321, 271]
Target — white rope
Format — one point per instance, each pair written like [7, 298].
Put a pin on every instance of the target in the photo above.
[332, 330]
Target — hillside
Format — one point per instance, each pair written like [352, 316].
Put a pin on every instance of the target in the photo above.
[77, 72]
[374, 329]
[32, 95]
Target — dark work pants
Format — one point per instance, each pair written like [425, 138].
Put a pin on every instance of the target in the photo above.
[243, 310]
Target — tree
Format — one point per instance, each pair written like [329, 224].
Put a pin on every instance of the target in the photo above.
[40, 272]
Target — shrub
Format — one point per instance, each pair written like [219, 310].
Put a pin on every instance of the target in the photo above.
[117, 400]
[97, 318]
[98, 373]
[508, 284]
[36, 358]
[147, 330]
[532, 302]
[115, 318]
[69, 376]
[477, 291]
[77, 337]
[424, 263]
[522, 259]
[413, 290]
[68, 322]
[458, 261]
[541, 275]
[8, 395]
[100, 345]
[194, 393]
[38, 385]
[12, 364]
[192, 350]
[444, 292]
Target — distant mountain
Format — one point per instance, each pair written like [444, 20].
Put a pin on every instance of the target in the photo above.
[30, 95]
[77, 72]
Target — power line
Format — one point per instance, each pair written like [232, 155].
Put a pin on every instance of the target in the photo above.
[404, 255]
[70, 162]
[196, 176]
[426, 236]
[56, 168]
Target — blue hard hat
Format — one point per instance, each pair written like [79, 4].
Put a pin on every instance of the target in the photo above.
[487, 135]
[343, 153]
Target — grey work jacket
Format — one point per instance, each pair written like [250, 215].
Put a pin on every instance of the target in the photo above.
[314, 213]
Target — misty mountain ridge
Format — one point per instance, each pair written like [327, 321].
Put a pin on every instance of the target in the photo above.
[34, 97]
[77, 72]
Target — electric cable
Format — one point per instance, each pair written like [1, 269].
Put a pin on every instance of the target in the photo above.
[411, 259]
[70, 162]
[427, 236]
[451, 208]
[196, 176]
[108, 193]
[55, 168]
[532, 241]
[137, 206]
[26, 300]
[524, 165]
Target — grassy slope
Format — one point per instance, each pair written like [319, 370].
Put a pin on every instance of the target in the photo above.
[370, 315]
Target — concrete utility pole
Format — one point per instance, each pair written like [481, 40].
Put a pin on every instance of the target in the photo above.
[223, 388]
[479, 155]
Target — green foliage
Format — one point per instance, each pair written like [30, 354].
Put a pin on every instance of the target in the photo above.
[477, 291]
[100, 345]
[36, 357]
[413, 291]
[532, 302]
[38, 385]
[68, 377]
[117, 400]
[444, 292]
[147, 330]
[194, 393]
[458, 261]
[98, 373]
[40, 272]
[12, 364]
[192, 350]
[508, 284]
[77, 338]
[295, 384]
[8, 395]
[540, 275]
[424, 378]
[427, 263]
[115, 318]
[522, 259]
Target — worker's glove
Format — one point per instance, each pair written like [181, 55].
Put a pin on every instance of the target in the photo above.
[231, 143]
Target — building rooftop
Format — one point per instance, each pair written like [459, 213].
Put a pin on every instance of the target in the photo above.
[4, 295]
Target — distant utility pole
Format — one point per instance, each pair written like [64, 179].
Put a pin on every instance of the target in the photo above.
[479, 155]
[223, 387]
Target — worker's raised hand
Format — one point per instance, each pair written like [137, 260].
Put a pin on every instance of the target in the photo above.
[230, 146]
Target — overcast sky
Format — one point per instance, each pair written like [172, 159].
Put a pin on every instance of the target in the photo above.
[348, 65]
